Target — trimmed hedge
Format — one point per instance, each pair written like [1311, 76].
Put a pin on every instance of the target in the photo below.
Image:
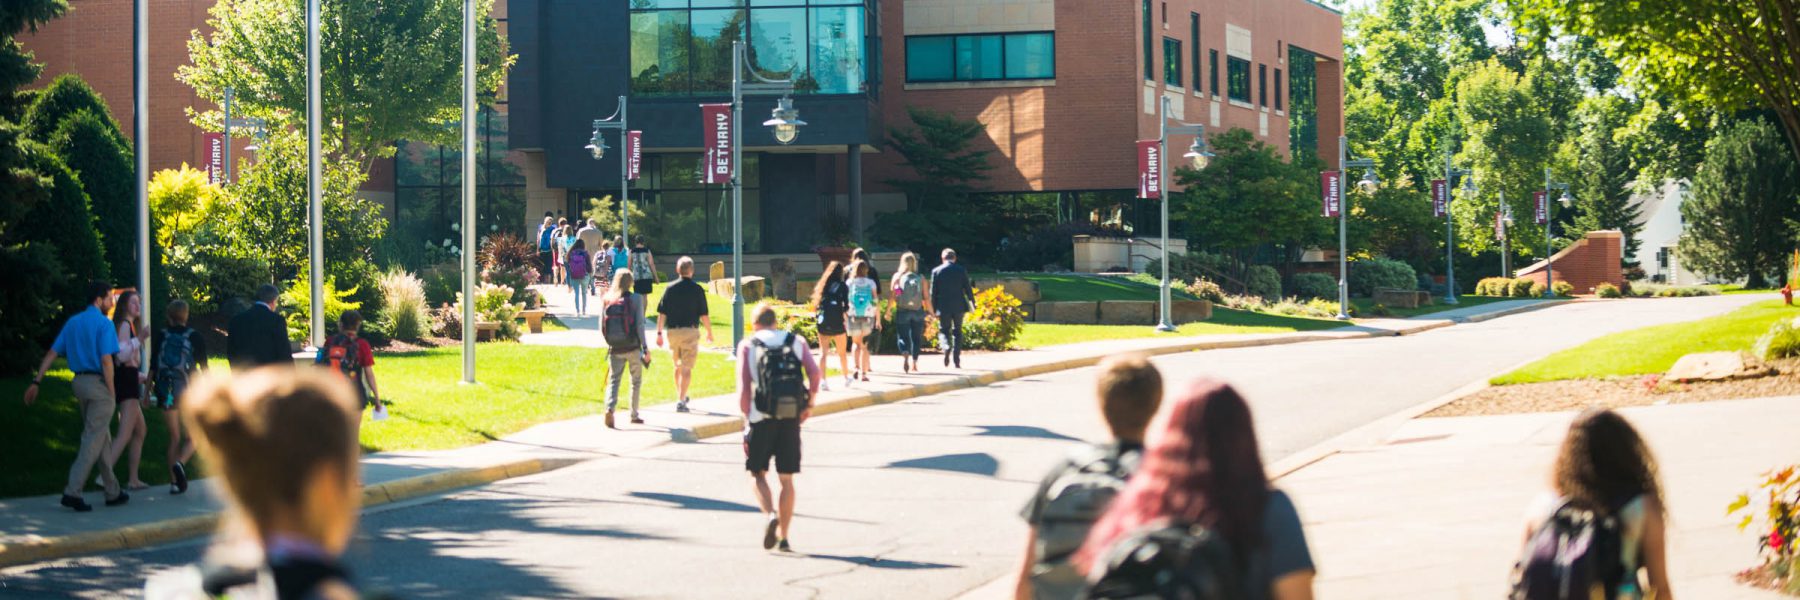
[1381, 273]
[1521, 288]
[1264, 281]
[1607, 290]
[1315, 285]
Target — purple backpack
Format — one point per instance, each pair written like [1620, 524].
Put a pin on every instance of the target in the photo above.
[1574, 555]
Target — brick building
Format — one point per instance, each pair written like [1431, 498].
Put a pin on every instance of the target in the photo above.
[1063, 87]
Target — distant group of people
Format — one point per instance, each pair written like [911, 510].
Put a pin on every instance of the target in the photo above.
[583, 259]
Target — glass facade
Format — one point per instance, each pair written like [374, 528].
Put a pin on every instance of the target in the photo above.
[428, 186]
[683, 47]
[1303, 118]
[682, 215]
[985, 57]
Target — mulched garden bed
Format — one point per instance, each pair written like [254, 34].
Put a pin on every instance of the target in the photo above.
[1615, 392]
[1764, 577]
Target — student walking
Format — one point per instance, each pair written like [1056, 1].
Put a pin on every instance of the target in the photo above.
[546, 235]
[561, 242]
[864, 316]
[128, 387]
[643, 268]
[591, 238]
[1073, 495]
[952, 297]
[89, 342]
[874, 341]
[578, 263]
[349, 355]
[603, 268]
[622, 323]
[258, 336]
[909, 310]
[777, 380]
[1605, 481]
[1201, 482]
[831, 303]
[284, 448]
[180, 353]
[682, 313]
[621, 256]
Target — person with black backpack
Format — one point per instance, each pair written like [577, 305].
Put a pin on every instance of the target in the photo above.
[622, 324]
[777, 380]
[1600, 532]
[1081, 487]
[831, 306]
[1199, 520]
[180, 353]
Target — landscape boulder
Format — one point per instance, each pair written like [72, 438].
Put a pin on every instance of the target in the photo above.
[1717, 366]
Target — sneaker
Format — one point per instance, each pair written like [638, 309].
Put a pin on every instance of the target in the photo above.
[80, 505]
[782, 546]
[769, 538]
[824, 384]
[681, 406]
[946, 359]
[180, 484]
[609, 420]
[380, 413]
[636, 420]
[119, 500]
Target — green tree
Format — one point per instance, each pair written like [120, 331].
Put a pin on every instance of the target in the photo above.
[1249, 197]
[265, 210]
[1740, 217]
[1603, 173]
[29, 265]
[64, 223]
[392, 69]
[66, 95]
[180, 199]
[16, 68]
[1509, 141]
[939, 148]
[1724, 55]
[91, 148]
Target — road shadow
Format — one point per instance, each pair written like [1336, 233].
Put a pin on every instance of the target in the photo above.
[876, 562]
[1021, 431]
[685, 502]
[976, 463]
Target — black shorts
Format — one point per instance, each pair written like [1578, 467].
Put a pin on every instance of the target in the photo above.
[643, 286]
[773, 438]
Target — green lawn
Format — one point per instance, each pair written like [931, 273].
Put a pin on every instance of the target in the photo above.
[1654, 349]
[520, 386]
[1733, 288]
[1086, 288]
[1224, 321]
[1363, 305]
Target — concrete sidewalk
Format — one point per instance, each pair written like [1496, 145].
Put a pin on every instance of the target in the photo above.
[1437, 509]
[36, 528]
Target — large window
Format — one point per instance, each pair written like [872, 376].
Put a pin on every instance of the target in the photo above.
[1238, 78]
[1262, 85]
[681, 47]
[682, 215]
[1149, 46]
[987, 57]
[428, 186]
[1194, 39]
[1278, 103]
[1212, 71]
[1303, 113]
[1172, 62]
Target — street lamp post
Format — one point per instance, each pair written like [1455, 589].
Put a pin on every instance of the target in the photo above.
[468, 190]
[1549, 222]
[141, 137]
[1368, 184]
[1198, 155]
[597, 147]
[1506, 221]
[315, 214]
[1450, 175]
[255, 124]
[786, 124]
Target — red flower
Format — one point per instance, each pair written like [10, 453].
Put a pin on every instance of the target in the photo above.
[1776, 542]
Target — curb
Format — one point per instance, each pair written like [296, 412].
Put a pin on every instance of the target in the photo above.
[172, 530]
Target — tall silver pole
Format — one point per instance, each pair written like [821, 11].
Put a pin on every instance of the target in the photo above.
[737, 193]
[1505, 238]
[1549, 251]
[141, 135]
[468, 191]
[314, 178]
[624, 175]
[1343, 242]
[1162, 167]
[225, 173]
[1449, 230]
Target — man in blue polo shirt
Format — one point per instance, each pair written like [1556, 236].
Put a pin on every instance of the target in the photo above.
[89, 342]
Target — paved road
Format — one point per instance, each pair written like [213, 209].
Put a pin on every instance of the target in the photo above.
[912, 500]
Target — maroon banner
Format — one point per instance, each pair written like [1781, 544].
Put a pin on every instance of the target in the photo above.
[1332, 183]
[1499, 225]
[1150, 166]
[215, 157]
[634, 154]
[716, 127]
[1543, 206]
[1440, 203]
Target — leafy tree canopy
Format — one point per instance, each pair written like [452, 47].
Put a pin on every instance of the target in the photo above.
[1740, 218]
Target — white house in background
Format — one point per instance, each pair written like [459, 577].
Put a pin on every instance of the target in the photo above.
[1659, 218]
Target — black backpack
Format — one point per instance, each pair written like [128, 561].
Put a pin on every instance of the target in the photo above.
[1071, 503]
[1575, 555]
[782, 390]
[174, 363]
[1168, 561]
[620, 326]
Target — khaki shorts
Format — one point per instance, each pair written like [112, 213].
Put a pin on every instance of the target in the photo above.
[685, 345]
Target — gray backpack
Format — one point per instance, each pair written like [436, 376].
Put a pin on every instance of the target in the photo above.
[910, 294]
[1071, 504]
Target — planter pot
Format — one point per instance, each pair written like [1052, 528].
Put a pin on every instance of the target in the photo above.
[827, 254]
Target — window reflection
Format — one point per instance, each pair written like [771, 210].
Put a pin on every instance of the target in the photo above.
[683, 47]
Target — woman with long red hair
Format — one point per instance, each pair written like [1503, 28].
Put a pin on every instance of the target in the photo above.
[1202, 467]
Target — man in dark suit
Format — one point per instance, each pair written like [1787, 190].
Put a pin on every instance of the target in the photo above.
[258, 336]
[951, 298]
